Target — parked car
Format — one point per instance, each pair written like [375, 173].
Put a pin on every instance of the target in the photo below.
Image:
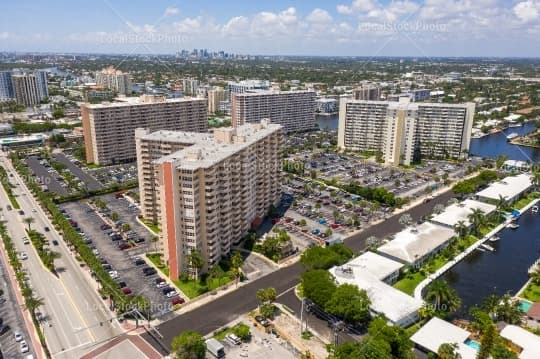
[18, 336]
[126, 291]
[139, 262]
[26, 240]
[172, 293]
[148, 271]
[46, 229]
[177, 300]
[54, 242]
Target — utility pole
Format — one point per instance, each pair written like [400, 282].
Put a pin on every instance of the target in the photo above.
[302, 317]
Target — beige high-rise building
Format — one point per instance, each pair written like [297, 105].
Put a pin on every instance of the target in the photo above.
[367, 93]
[404, 132]
[215, 96]
[294, 110]
[114, 80]
[26, 90]
[211, 192]
[109, 128]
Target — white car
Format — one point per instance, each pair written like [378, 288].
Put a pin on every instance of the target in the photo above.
[24, 347]
[18, 336]
[172, 294]
[23, 256]
[113, 274]
[25, 240]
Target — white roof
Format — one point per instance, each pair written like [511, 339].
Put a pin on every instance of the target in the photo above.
[437, 332]
[509, 187]
[460, 211]
[397, 306]
[529, 342]
[415, 242]
[377, 265]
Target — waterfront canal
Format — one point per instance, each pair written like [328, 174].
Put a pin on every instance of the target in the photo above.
[504, 270]
[492, 146]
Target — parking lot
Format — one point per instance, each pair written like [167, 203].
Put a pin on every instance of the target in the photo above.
[262, 345]
[91, 183]
[115, 174]
[11, 321]
[125, 264]
[47, 176]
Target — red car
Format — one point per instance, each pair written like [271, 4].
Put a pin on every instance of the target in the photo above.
[177, 300]
[123, 246]
[334, 225]
[126, 291]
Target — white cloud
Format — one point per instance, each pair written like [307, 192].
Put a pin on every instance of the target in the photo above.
[170, 11]
[4, 35]
[527, 10]
[146, 28]
[344, 9]
[363, 5]
[319, 16]
[238, 25]
[188, 25]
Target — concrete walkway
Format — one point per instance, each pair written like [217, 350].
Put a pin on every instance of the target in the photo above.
[420, 287]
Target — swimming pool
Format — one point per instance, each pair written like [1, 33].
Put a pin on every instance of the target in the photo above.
[473, 344]
[525, 305]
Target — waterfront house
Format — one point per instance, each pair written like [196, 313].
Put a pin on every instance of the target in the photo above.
[512, 188]
[414, 245]
[528, 342]
[460, 212]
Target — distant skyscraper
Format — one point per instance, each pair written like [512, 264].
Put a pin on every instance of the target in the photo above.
[367, 93]
[6, 86]
[114, 80]
[26, 89]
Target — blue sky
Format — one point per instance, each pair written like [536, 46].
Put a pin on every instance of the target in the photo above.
[421, 28]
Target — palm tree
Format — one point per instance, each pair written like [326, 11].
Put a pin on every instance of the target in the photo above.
[154, 239]
[405, 220]
[32, 303]
[29, 221]
[114, 216]
[500, 206]
[49, 258]
[443, 297]
[477, 219]
[536, 179]
[236, 264]
[196, 262]
[461, 229]
[448, 351]
[372, 242]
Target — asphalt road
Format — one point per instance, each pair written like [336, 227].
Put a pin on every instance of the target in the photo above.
[76, 318]
[223, 310]
[91, 183]
[47, 178]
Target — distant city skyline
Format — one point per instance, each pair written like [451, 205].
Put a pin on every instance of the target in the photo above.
[423, 28]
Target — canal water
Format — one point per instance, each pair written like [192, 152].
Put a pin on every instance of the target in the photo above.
[504, 270]
[327, 122]
[492, 146]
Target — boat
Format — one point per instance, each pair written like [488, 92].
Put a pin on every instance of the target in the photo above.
[480, 249]
[488, 247]
[515, 125]
[511, 136]
[494, 239]
[512, 225]
[535, 209]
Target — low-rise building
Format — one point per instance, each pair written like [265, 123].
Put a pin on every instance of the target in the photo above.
[460, 212]
[437, 332]
[414, 245]
[511, 188]
[527, 341]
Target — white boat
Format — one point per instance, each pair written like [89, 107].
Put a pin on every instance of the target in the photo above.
[512, 225]
[488, 247]
[494, 239]
[512, 136]
[514, 125]
[535, 209]
[480, 249]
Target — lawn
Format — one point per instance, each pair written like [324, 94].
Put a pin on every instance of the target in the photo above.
[193, 288]
[526, 200]
[154, 227]
[156, 259]
[532, 292]
[409, 282]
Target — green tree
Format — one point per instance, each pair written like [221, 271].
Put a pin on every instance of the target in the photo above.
[396, 337]
[477, 219]
[28, 221]
[126, 227]
[189, 345]
[196, 262]
[266, 298]
[32, 303]
[349, 303]
[318, 285]
[501, 352]
[461, 229]
[444, 298]
[325, 257]
[155, 240]
[114, 216]
[448, 351]
[236, 265]
[487, 342]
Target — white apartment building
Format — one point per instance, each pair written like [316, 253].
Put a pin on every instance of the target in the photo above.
[26, 89]
[150, 147]
[212, 192]
[114, 80]
[294, 110]
[403, 132]
[215, 96]
[109, 128]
